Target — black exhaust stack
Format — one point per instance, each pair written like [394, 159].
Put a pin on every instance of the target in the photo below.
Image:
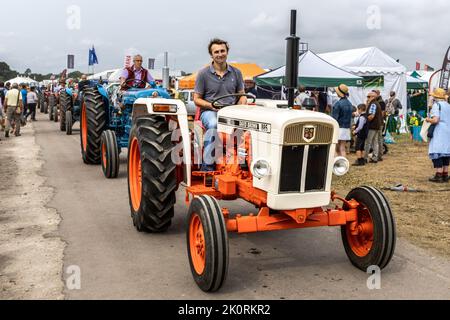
[292, 52]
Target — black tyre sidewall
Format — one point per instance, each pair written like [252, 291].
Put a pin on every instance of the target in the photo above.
[69, 123]
[382, 231]
[112, 155]
[216, 239]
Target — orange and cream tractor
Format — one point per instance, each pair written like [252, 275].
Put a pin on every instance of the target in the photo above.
[270, 154]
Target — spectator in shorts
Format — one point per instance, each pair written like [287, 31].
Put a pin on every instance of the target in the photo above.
[342, 113]
[439, 148]
[361, 131]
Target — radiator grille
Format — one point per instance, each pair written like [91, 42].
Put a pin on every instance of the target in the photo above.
[291, 168]
[294, 134]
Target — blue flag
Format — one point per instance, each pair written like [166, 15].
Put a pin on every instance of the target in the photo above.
[92, 57]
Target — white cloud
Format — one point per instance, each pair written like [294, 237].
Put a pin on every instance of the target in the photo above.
[263, 20]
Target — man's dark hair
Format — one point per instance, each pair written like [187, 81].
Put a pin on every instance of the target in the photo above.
[217, 41]
[301, 89]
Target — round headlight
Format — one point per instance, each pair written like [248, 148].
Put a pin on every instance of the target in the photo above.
[341, 166]
[260, 169]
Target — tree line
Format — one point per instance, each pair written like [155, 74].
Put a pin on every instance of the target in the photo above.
[6, 74]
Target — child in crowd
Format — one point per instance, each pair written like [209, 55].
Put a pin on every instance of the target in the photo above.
[361, 131]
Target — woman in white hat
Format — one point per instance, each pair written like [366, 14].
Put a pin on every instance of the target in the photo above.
[439, 149]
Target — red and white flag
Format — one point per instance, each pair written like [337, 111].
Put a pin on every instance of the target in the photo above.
[417, 65]
[127, 62]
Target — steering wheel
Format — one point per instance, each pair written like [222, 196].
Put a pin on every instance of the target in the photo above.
[216, 105]
[135, 83]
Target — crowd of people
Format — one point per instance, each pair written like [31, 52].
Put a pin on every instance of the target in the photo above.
[363, 127]
[17, 104]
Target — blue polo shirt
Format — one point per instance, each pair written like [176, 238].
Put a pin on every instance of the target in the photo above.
[211, 86]
[24, 93]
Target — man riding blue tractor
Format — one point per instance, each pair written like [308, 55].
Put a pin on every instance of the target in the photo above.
[106, 121]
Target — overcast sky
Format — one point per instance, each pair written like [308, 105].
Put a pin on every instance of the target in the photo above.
[41, 33]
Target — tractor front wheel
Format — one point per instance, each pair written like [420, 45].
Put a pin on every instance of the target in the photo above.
[371, 240]
[110, 154]
[207, 243]
[152, 179]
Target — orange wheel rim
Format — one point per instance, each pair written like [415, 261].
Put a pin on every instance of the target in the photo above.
[135, 175]
[104, 155]
[83, 127]
[361, 238]
[197, 244]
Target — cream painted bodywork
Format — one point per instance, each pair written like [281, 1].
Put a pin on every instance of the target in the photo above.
[265, 145]
[269, 146]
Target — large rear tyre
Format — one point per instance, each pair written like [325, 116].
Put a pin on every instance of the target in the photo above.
[92, 124]
[371, 242]
[207, 243]
[110, 154]
[69, 122]
[41, 103]
[152, 180]
[55, 114]
[65, 102]
[51, 107]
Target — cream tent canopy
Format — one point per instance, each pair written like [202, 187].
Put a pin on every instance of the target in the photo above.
[20, 80]
[370, 62]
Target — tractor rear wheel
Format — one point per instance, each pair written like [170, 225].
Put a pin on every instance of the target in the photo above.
[152, 180]
[65, 102]
[41, 103]
[372, 241]
[92, 124]
[55, 114]
[207, 243]
[110, 154]
[51, 105]
[69, 122]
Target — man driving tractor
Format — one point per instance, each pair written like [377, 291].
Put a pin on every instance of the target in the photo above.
[135, 76]
[214, 81]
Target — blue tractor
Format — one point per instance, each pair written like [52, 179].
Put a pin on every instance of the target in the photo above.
[106, 121]
[70, 108]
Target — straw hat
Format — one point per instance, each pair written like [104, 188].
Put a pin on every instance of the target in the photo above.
[439, 93]
[342, 90]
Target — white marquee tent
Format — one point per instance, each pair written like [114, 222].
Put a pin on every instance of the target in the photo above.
[20, 80]
[369, 62]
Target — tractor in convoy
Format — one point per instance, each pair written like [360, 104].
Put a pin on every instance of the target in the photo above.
[105, 122]
[275, 157]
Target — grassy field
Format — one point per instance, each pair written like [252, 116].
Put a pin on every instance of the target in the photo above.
[423, 218]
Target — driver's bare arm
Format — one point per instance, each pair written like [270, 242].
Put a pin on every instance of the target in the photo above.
[199, 101]
[243, 99]
[122, 82]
